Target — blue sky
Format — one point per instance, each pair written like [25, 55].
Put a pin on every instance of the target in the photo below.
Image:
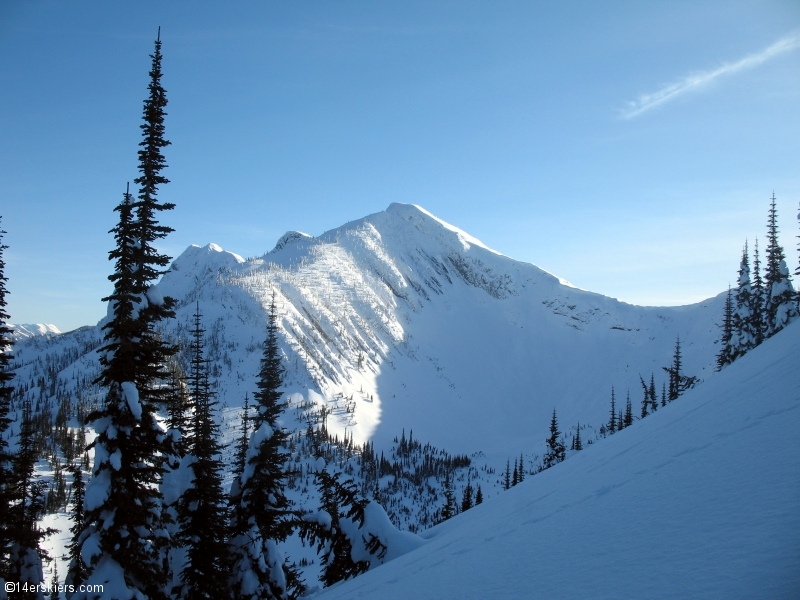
[629, 147]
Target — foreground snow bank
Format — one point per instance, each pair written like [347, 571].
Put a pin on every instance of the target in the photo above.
[700, 500]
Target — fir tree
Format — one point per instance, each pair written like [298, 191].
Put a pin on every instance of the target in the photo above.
[612, 421]
[555, 448]
[726, 350]
[515, 475]
[646, 399]
[521, 475]
[77, 570]
[28, 493]
[130, 444]
[449, 508]
[678, 383]
[507, 480]
[466, 497]
[663, 393]
[478, 496]
[628, 420]
[202, 515]
[758, 297]
[743, 329]
[780, 302]
[263, 516]
[6, 458]
[652, 391]
[577, 444]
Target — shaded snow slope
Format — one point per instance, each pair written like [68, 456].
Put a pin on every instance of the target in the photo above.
[700, 500]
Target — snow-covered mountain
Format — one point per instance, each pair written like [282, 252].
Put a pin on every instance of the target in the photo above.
[402, 321]
[697, 501]
[29, 330]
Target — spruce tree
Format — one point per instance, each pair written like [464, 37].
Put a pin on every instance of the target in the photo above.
[652, 391]
[515, 475]
[28, 489]
[678, 383]
[202, 515]
[628, 420]
[743, 329]
[780, 300]
[466, 497]
[663, 393]
[263, 516]
[758, 297]
[646, 399]
[555, 452]
[6, 458]
[725, 350]
[130, 444]
[612, 421]
[507, 479]
[521, 475]
[478, 496]
[77, 570]
[577, 444]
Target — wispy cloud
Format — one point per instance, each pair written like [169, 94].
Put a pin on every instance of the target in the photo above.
[697, 80]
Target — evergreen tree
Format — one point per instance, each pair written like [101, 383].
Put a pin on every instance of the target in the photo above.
[652, 392]
[478, 496]
[77, 570]
[521, 475]
[507, 480]
[725, 351]
[678, 383]
[515, 475]
[202, 515]
[780, 301]
[612, 421]
[743, 330]
[555, 448]
[646, 399]
[28, 494]
[263, 516]
[466, 497]
[628, 420]
[758, 297]
[449, 509]
[663, 393]
[6, 458]
[130, 444]
[577, 444]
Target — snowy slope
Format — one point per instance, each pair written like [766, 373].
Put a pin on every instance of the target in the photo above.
[700, 500]
[29, 330]
[400, 320]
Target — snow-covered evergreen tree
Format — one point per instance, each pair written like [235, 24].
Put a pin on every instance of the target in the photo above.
[263, 516]
[759, 298]
[555, 452]
[77, 573]
[202, 514]
[743, 330]
[6, 470]
[725, 350]
[780, 305]
[124, 542]
[678, 382]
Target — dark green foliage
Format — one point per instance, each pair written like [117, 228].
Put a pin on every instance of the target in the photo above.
[339, 501]
[576, 441]
[664, 393]
[725, 351]
[555, 448]
[466, 497]
[202, 515]
[628, 419]
[649, 400]
[515, 475]
[612, 419]
[449, 508]
[262, 514]
[521, 474]
[6, 470]
[780, 300]
[130, 445]
[507, 479]
[77, 570]
[758, 297]
[478, 496]
[678, 383]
